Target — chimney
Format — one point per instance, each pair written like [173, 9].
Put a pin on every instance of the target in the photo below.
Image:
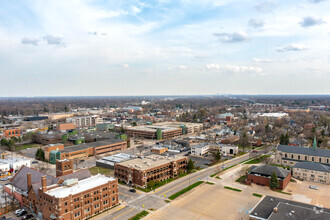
[43, 183]
[275, 209]
[29, 183]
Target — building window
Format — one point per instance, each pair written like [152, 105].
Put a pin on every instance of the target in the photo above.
[305, 157]
[65, 203]
[291, 156]
[298, 157]
[113, 198]
[286, 156]
[312, 158]
[66, 210]
[320, 160]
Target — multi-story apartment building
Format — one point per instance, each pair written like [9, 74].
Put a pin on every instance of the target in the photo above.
[311, 172]
[290, 155]
[69, 195]
[140, 171]
[165, 130]
[85, 121]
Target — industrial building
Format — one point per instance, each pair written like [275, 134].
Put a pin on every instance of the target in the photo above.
[69, 195]
[140, 171]
[165, 130]
[85, 150]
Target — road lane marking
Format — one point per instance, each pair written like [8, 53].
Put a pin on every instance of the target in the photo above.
[121, 208]
[123, 213]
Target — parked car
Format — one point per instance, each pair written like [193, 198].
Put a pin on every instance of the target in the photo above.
[132, 190]
[28, 216]
[313, 187]
[22, 213]
[35, 162]
[18, 211]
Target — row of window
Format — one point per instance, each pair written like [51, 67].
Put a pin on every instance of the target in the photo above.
[306, 158]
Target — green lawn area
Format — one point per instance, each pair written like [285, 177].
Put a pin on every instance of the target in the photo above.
[241, 179]
[210, 183]
[160, 183]
[258, 159]
[95, 170]
[26, 146]
[256, 194]
[175, 195]
[234, 189]
[139, 215]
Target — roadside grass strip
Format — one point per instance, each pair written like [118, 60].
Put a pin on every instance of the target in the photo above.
[210, 183]
[256, 194]
[234, 189]
[139, 215]
[175, 195]
[213, 175]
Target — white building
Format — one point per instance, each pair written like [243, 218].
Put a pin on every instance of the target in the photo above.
[200, 149]
[228, 149]
[16, 163]
[4, 166]
[85, 121]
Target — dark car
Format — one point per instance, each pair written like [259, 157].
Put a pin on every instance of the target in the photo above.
[132, 190]
[22, 213]
[28, 216]
[35, 162]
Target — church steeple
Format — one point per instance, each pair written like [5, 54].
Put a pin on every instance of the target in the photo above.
[314, 143]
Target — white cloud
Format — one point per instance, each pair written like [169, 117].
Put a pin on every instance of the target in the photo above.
[292, 47]
[265, 6]
[257, 60]
[53, 40]
[125, 65]
[231, 38]
[233, 68]
[182, 67]
[256, 23]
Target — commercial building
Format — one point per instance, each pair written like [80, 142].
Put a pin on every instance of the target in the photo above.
[228, 149]
[85, 121]
[140, 171]
[165, 130]
[159, 149]
[66, 126]
[290, 155]
[15, 163]
[110, 161]
[52, 147]
[312, 172]
[15, 132]
[261, 175]
[69, 195]
[273, 208]
[85, 150]
[200, 149]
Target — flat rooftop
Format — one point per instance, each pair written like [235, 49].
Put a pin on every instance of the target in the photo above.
[165, 126]
[151, 161]
[90, 145]
[81, 186]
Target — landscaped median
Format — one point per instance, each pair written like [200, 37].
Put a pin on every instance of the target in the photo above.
[139, 215]
[175, 195]
[234, 189]
[256, 194]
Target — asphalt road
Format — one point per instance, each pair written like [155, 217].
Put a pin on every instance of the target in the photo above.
[139, 201]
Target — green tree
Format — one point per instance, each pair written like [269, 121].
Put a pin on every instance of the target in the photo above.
[284, 139]
[3, 142]
[122, 130]
[10, 144]
[190, 165]
[274, 184]
[134, 123]
[40, 154]
[244, 141]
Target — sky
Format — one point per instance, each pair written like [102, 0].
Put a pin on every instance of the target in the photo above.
[163, 47]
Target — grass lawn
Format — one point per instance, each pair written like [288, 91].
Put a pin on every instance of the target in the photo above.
[256, 194]
[139, 215]
[95, 170]
[210, 183]
[26, 146]
[160, 183]
[258, 159]
[241, 179]
[175, 195]
[234, 189]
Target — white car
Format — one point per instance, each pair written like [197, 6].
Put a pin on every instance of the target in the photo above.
[18, 211]
[313, 187]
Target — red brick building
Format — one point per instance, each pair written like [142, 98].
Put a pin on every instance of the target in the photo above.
[66, 126]
[140, 171]
[261, 175]
[11, 133]
[69, 195]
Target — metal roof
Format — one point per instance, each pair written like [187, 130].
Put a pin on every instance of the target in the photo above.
[312, 166]
[305, 151]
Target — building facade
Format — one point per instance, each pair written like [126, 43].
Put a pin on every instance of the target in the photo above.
[290, 155]
[140, 171]
[11, 133]
[311, 172]
[85, 121]
[261, 175]
[200, 149]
